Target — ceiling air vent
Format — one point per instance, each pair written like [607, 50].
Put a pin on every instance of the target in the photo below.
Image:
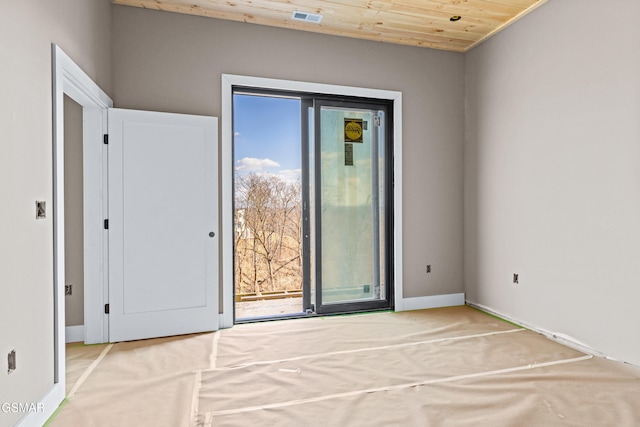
[307, 17]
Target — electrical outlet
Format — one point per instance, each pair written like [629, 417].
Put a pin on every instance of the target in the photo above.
[515, 278]
[11, 362]
[68, 289]
[428, 268]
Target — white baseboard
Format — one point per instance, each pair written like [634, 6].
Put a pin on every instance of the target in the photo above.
[45, 407]
[74, 334]
[554, 336]
[435, 301]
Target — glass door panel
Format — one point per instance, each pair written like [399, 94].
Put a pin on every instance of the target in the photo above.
[350, 214]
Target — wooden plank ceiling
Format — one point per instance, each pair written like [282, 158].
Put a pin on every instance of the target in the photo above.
[424, 23]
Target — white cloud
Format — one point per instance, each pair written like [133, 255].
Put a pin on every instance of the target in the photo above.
[289, 175]
[250, 164]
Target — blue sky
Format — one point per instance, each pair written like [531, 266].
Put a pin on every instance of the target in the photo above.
[267, 135]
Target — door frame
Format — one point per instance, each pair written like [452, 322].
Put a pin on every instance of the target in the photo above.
[226, 171]
[69, 79]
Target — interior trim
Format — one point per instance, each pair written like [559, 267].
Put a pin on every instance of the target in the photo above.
[74, 333]
[435, 301]
[554, 336]
[67, 79]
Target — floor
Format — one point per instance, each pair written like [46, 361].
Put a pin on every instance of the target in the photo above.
[274, 307]
[453, 366]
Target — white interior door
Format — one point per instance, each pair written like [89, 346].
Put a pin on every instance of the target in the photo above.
[163, 225]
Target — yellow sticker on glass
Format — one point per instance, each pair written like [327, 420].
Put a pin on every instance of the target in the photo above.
[352, 130]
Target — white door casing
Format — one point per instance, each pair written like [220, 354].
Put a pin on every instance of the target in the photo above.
[163, 225]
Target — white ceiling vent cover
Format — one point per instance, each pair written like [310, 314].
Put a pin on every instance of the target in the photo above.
[307, 17]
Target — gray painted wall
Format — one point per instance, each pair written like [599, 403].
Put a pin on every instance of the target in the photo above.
[552, 162]
[27, 29]
[73, 213]
[171, 62]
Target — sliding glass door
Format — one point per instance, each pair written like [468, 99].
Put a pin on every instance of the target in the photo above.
[342, 209]
[351, 220]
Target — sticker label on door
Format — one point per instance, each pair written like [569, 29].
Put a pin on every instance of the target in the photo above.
[348, 155]
[352, 130]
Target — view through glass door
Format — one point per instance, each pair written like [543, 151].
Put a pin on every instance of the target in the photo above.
[311, 198]
[268, 206]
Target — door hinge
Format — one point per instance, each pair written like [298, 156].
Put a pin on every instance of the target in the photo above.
[376, 120]
[106, 309]
[106, 224]
[105, 139]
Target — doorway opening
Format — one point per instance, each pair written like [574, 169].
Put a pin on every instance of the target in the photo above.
[312, 204]
[268, 205]
[73, 221]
